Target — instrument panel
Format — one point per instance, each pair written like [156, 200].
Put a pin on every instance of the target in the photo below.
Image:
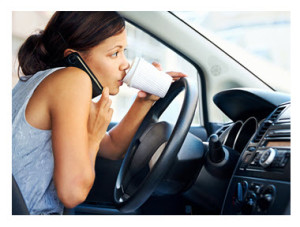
[261, 181]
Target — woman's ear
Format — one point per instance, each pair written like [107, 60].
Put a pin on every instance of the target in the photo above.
[68, 51]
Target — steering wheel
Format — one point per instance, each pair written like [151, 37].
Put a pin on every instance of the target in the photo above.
[154, 148]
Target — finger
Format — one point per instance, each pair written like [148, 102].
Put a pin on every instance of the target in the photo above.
[105, 92]
[110, 112]
[108, 116]
[176, 74]
[108, 104]
[104, 97]
[142, 94]
[157, 65]
[176, 78]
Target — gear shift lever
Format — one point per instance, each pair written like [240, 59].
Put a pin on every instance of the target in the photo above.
[216, 152]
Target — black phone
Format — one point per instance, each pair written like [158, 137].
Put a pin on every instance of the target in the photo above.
[75, 60]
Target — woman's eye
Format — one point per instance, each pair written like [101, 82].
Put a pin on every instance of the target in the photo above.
[115, 54]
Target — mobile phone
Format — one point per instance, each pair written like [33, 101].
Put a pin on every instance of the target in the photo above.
[75, 60]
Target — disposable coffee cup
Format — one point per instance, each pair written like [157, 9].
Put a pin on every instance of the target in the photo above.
[144, 76]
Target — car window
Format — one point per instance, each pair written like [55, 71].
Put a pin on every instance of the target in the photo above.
[140, 44]
[259, 40]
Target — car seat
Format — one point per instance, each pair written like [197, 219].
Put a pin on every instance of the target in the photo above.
[18, 204]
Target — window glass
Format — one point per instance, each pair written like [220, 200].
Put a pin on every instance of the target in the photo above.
[140, 44]
[259, 40]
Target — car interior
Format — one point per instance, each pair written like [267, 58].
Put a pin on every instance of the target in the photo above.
[183, 160]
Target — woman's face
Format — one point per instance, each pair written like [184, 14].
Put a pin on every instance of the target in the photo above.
[108, 62]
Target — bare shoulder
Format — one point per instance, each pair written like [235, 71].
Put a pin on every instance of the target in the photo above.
[57, 93]
[66, 85]
[70, 80]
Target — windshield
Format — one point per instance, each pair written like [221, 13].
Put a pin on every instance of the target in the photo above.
[258, 40]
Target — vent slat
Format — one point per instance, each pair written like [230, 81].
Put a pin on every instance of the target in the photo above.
[267, 124]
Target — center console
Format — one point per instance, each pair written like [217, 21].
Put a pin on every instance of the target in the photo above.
[263, 171]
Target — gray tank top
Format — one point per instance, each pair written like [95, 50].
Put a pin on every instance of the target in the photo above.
[32, 156]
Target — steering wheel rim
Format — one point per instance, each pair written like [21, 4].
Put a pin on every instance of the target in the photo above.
[127, 203]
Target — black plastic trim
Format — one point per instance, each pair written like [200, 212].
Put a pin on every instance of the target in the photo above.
[242, 103]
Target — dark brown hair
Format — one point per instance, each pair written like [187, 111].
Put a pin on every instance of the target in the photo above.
[79, 31]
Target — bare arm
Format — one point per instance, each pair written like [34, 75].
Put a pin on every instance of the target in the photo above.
[76, 133]
[117, 140]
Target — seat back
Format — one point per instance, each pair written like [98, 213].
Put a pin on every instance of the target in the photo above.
[18, 204]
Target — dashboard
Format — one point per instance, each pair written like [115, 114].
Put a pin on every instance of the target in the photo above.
[254, 177]
[261, 180]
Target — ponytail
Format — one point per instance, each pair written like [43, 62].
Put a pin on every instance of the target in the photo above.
[32, 55]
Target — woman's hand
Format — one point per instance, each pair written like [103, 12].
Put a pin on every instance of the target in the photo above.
[99, 118]
[174, 75]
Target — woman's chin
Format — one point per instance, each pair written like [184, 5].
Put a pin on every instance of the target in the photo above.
[114, 91]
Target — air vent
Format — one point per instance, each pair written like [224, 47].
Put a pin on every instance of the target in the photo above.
[262, 131]
[264, 127]
[282, 133]
[276, 113]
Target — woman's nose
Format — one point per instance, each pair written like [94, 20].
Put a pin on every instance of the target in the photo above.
[125, 65]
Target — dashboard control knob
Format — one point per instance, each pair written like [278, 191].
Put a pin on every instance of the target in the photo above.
[267, 157]
[250, 203]
[242, 190]
[267, 197]
[257, 189]
[216, 152]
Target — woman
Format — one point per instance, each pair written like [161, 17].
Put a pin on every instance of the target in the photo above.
[57, 129]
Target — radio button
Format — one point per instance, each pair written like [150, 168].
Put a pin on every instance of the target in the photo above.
[255, 161]
[284, 160]
[267, 157]
[252, 148]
